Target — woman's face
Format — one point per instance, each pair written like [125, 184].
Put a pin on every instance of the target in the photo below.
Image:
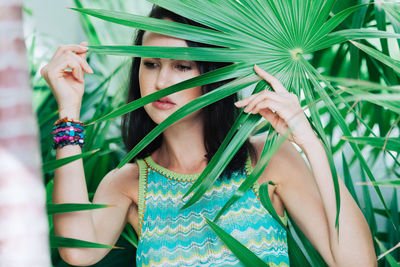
[158, 73]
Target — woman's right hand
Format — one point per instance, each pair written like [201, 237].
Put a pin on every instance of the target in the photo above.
[67, 86]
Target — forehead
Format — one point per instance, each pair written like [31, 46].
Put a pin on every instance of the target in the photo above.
[155, 39]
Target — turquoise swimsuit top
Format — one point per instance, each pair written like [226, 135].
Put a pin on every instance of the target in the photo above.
[170, 237]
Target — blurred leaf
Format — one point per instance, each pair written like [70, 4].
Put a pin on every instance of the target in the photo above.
[54, 164]
[130, 235]
[386, 254]
[391, 183]
[58, 241]
[394, 64]
[348, 181]
[392, 144]
[88, 27]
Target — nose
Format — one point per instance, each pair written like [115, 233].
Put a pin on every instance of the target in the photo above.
[163, 78]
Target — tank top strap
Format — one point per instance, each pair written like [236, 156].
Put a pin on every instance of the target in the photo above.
[143, 171]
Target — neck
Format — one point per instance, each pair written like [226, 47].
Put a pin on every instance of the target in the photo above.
[182, 148]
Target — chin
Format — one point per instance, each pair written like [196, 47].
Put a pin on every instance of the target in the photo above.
[157, 116]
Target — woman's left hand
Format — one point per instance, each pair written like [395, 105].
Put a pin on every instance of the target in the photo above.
[281, 108]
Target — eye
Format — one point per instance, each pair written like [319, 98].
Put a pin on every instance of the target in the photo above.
[149, 65]
[183, 67]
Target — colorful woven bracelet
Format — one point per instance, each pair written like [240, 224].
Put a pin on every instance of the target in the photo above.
[65, 120]
[68, 132]
[66, 129]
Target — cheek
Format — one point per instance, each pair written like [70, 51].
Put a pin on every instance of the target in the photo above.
[196, 92]
[143, 83]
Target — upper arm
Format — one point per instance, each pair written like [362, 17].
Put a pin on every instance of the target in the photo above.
[109, 222]
[299, 193]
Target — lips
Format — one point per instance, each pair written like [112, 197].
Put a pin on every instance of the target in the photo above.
[165, 100]
[163, 103]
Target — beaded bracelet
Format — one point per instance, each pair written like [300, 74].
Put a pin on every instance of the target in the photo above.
[68, 132]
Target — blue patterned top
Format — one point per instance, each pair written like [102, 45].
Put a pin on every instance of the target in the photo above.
[169, 237]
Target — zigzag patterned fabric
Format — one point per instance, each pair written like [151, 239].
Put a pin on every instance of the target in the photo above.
[169, 237]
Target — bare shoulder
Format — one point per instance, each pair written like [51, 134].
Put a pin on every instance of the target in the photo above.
[126, 180]
[279, 163]
[275, 168]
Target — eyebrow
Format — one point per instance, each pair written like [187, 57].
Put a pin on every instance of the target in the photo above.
[157, 58]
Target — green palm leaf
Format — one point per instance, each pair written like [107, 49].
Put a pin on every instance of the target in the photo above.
[231, 150]
[315, 76]
[174, 29]
[54, 164]
[221, 74]
[130, 235]
[268, 151]
[246, 256]
[391, 260]
[393, 8]
[395, 64]
[70, 207]
[297, 257]
[184, 53]
[58, 241]
[392, 144]
[347, 35]
[205, 175]
[198, 103]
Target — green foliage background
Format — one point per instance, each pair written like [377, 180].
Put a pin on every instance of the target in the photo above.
[350, 90]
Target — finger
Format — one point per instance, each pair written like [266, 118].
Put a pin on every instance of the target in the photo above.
[275, 120]
[83, 55]
[76, 69]
[73, 48]
[251, 102]
[250, 106]
[77, 72]
[83, 63]
[248, 99]
[262, 96]
[272, 80]
[269, 116]
[245, 101]
[265, 104]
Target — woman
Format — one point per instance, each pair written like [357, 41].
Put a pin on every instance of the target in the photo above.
[148, 191]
